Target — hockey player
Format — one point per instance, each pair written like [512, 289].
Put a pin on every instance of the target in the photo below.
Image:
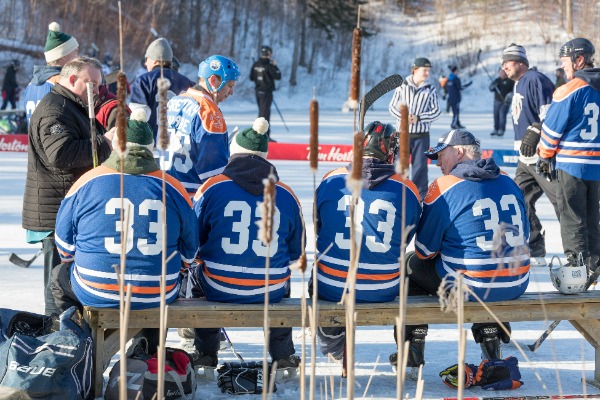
[531, 98]
[421, 97]
[233, 257]
[199, 145]
[474, 223]
[60, 48]
[264, 73]
[569, 144]
[380, 210]
[144, 89]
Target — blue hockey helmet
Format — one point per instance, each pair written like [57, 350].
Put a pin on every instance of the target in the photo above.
[381, 142]
[221, 66]
[578, 47]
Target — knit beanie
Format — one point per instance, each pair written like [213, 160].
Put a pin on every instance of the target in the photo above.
[160, 50]
[58, 44]
[514, 52]
[139, 132]
[252, 140]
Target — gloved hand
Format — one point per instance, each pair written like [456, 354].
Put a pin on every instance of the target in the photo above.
[241, 378]
[546, 167]
[498, 374]
[531, 139]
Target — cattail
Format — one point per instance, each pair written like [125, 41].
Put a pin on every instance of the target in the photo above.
[121, 114]
[299, 264]
[314, 134]
[163, 137]
[265, 225]
[355, 68]
[354, 182]
[403, 164]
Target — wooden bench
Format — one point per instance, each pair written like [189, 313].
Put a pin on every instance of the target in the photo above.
[582, 310]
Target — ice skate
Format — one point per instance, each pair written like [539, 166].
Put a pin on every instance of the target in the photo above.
[286, 369]
[204, 365]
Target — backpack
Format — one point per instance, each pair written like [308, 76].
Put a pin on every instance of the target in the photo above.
[142, 374]
[46, 357]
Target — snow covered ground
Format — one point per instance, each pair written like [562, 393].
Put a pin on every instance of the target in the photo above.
[562, 362]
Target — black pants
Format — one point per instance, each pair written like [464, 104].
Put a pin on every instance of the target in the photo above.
[264, 100]
[66, 298]
[533, 186]
[10, 98]
[51, 260]
[579, 214]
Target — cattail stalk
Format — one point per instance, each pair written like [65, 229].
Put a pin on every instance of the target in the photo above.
[404, 142]
[314, 164]
[265, 234]
[355, 67]
[163, 86]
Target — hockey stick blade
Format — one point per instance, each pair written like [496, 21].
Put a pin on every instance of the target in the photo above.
[592, 278]
[547, 332]
[386, 85]
[19, 262]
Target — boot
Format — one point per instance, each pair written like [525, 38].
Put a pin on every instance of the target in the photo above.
[416, 349]
[490, 343]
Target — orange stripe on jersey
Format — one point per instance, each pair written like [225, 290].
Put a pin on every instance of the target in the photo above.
[212, 118]
[289, 189]
[243, 281]
[173, 182]
[586, 153]
[439, 186]
[339, 171]
[134, 289]
[407, 182]
[423, 256]
[568, 88]
[88, 176]
[209, 183]
[496, 272]
[344, 275]
[550, 139]
[63, 253]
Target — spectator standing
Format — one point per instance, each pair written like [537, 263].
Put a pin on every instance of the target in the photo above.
[60, 49]
[454, 87]
[264, 73]
[502, 88]
[570, 140]
[199, 145]
[383, 198]
[421, 97]
[144, 89]
[10, 86]
[531, 98]
[59, 153]
[233, 256]
[474, 223]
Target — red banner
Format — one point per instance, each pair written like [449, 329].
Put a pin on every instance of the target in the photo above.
[13, 143]
[296, 151]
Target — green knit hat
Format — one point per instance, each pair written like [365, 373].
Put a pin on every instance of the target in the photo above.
[252, 140]
[58, 44]
[139, 133]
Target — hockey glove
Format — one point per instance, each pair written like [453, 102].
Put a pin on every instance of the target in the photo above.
[531, 139]
[498, 374]
[241, 378]
[546, 167]
[450, 376]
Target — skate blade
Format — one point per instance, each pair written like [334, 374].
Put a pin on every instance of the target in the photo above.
[205, 374]
[285, 374]
[412, 373]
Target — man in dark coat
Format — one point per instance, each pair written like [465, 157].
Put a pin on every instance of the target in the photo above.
[9, 86]
[60, 151]
[264, 73]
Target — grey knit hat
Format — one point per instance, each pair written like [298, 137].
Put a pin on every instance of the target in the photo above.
[514, 52]
[160, 50]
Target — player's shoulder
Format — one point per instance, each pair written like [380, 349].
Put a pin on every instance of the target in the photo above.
[440, 186]
[212, 183]
[568, 88]
[287, 191]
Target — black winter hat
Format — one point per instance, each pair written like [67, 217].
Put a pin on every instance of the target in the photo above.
[421, 62]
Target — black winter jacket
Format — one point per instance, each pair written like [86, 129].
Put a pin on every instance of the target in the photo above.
[264, 74]
[60, 151]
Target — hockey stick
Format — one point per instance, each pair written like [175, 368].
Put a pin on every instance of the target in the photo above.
[280, 116]
[543, 397]
[93, 137]
[547, 332]
[488, 74]
[386, 85]
[19, 262]
[235, 353]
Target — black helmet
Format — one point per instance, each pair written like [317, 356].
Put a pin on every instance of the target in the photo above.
[578, 47]
[381, 142]
[266, 51]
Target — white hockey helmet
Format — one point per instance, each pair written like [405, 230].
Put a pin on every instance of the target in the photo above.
[568, 279]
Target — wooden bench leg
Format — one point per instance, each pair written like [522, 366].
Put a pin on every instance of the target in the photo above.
[98, 336]
[590, 329]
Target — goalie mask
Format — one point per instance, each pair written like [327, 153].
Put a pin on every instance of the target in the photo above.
[381, 142]
[568, 279]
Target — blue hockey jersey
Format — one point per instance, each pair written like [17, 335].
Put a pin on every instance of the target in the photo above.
[232, 257]
[88, 233]
[199, 142]
[475, 222]
[44, 78]
[379, 218]
[571, 128]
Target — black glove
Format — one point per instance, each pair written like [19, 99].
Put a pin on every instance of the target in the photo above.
[241, 378]
[531, 140]
[444, 96]
[546, 167]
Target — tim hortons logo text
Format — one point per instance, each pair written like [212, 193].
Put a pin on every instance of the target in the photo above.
[335, 153]
[12, 144]
[15, 366]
